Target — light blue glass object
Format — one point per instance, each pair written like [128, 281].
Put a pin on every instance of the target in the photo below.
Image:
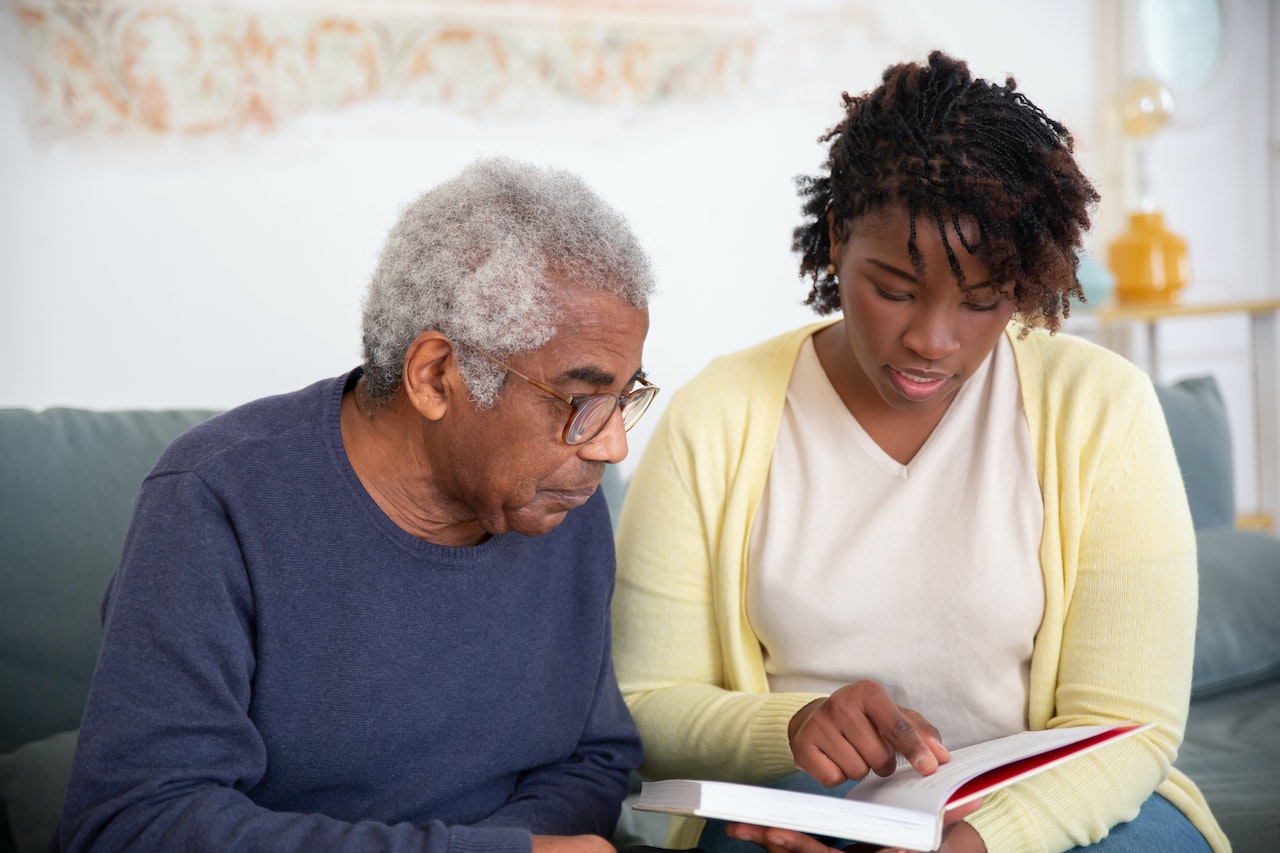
[1183, 40]
[1096, 280]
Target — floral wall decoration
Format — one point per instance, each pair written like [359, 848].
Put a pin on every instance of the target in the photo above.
[184, 67]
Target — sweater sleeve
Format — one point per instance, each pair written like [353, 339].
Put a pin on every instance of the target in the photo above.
[683, 649]
[582, 793]
[167, 749]
[1121, 618]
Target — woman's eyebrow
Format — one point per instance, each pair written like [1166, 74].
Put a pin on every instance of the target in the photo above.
[891, 269]
[911, 276]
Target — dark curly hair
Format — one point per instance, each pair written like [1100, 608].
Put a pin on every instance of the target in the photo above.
[936, 138]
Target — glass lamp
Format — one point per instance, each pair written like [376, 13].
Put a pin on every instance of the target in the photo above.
[1150, 263]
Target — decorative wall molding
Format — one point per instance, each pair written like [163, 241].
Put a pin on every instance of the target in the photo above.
[110, 68]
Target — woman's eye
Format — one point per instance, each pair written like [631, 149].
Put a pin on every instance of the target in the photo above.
[977, 306]
[895, 297]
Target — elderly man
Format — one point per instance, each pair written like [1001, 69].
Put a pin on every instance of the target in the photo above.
[373, 614]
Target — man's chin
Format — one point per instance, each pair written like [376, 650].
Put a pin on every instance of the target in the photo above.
[546, 512]
[537, 526]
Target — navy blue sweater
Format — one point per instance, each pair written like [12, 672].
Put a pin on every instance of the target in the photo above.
[284, 668]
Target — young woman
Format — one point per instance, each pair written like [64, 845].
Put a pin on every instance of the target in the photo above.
[929, 522]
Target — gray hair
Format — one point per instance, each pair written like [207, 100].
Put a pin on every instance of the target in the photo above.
[473, 259]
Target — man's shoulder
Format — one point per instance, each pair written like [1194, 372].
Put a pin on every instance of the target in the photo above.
[231, 435]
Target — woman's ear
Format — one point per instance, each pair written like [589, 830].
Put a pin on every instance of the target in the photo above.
[430, 374]
[833, 239]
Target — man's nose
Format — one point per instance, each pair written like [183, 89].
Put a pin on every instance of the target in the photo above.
[610, 445]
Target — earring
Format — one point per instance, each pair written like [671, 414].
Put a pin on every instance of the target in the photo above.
[831, 269]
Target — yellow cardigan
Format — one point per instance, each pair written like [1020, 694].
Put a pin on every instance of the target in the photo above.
[1117, 553]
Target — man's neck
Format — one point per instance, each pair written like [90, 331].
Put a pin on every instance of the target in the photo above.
[385, 443]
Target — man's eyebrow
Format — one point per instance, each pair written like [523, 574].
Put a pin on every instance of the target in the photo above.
[588, 374]
[595, 376]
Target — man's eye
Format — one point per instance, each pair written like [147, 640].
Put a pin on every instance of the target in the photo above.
[634, 384]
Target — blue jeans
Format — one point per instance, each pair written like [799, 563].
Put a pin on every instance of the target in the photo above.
[1159, 826]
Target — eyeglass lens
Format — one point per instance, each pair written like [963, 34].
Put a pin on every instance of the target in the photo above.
[594, 413]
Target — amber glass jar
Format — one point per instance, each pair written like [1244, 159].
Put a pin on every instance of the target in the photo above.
[1149, 262]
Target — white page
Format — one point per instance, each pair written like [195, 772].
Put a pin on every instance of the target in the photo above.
[906, 788]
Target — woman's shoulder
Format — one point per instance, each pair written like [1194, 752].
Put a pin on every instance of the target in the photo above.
[1074, 387]
[779, 349]
[1061, 363]
[763, 366]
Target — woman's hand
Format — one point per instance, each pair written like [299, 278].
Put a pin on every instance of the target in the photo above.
[571, 844]
[957, 837]
[859, 729]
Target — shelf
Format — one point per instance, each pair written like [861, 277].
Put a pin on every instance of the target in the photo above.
[1264, 357]
[1138, 312]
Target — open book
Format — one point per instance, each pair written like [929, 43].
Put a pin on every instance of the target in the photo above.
[903, 809]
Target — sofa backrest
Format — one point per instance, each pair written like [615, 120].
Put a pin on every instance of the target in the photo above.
[1197, 419]
[68, 478]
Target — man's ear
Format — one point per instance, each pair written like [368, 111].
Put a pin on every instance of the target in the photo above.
[430, 374]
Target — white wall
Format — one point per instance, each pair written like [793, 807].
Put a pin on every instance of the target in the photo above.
[174, 271]
[1210, 169]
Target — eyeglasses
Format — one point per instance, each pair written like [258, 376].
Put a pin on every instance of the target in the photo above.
[591, 412]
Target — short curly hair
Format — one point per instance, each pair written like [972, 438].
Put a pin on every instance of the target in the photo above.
[479, 257]
[935, 138]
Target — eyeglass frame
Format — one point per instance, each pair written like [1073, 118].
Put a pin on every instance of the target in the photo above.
[577, 402]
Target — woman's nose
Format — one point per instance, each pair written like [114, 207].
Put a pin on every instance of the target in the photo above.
[933, 334]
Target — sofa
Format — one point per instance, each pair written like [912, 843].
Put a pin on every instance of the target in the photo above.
[67, 482]
[1232, 743]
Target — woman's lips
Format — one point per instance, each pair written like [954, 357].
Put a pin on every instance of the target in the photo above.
[917, 386]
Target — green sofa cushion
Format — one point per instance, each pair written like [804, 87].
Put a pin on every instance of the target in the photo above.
[1238, 630]
[68, 478]
[1197, 420]
[33, 783]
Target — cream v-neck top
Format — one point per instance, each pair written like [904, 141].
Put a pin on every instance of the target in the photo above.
[924, 577]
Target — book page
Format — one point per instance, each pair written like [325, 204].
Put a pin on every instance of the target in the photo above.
[834, 817]
[901, 810]
[1025, 754]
